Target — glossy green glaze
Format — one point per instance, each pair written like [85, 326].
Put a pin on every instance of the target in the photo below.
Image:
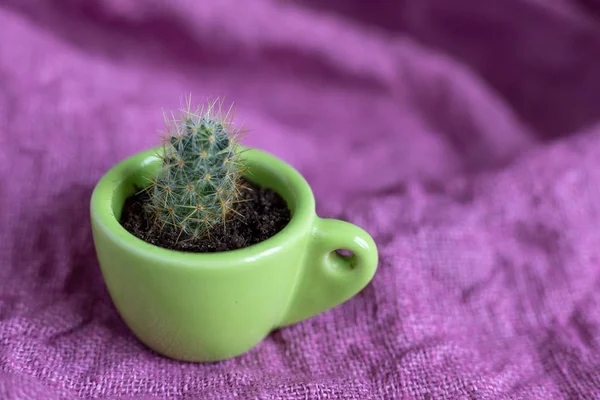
[214, 306]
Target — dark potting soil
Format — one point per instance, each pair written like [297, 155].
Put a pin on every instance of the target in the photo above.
[264, 213]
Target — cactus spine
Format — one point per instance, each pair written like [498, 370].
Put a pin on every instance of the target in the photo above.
[198, 184]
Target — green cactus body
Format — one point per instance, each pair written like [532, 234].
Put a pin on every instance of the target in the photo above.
[198, 184]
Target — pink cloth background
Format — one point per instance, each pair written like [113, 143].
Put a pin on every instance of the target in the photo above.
[462, 134]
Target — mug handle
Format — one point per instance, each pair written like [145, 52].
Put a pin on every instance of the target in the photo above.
[328, 278]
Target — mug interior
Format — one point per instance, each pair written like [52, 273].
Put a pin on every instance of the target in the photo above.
[133, 175]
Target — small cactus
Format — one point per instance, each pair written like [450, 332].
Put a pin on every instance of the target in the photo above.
[199, 182]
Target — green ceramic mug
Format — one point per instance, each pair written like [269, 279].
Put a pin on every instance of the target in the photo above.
[214, 306]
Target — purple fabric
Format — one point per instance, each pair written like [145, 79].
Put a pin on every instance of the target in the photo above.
[462, 134]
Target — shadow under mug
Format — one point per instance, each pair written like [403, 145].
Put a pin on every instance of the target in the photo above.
[206, 307]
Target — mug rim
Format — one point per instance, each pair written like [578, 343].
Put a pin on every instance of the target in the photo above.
[104, 219]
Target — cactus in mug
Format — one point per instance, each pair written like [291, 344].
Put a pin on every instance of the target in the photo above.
[199, 181]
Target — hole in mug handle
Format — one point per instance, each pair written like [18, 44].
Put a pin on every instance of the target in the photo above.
[345, 253]
[342, 259]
